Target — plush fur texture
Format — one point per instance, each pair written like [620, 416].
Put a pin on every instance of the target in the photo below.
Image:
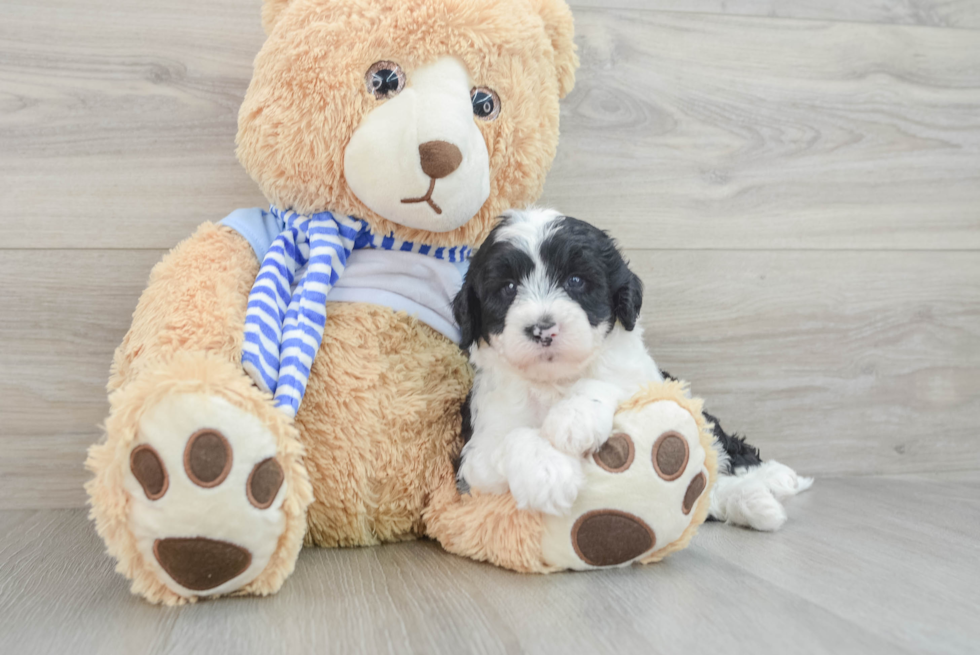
[490, 527]
[380, 422]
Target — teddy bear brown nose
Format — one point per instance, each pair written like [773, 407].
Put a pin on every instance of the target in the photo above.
[439, 158]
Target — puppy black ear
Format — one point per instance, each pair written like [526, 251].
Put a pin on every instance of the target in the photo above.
[466, 311]
[628, 300]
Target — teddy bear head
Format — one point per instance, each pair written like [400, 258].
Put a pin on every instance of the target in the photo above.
[426, 118]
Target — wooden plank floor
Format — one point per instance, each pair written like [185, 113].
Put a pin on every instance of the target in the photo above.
[798, 182]
[869, 565]
[799, 185]
[937, 13]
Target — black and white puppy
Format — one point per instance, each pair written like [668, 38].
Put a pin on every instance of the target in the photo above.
[548, 312]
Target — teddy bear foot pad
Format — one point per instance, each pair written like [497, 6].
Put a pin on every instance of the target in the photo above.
[640, 489]
[207, 494]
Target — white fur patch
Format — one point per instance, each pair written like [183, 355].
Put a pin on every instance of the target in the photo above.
[540, 477]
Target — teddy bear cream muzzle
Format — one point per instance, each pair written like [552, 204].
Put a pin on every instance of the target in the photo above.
[418, 159]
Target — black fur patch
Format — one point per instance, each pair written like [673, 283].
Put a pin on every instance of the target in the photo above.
[741, 454]
[480, 307]
[609, 289]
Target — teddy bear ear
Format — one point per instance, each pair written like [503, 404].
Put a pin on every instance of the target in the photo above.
[271, 10]
[560, 25]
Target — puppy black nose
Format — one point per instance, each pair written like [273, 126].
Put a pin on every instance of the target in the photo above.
[542, 332]
[439, 158]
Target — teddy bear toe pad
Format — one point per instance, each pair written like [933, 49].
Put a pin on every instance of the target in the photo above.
[206, 494]
[639, 491]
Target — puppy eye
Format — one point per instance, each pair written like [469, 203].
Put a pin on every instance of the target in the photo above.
[486, 103]
[385, 79]
[575, 283]
[509, 290]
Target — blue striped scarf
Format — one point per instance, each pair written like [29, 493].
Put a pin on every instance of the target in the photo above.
[287, 306]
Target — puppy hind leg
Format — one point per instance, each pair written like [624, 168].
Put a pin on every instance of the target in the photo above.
[749, 491]
[752, 497]
[746, 501]
[781, 480]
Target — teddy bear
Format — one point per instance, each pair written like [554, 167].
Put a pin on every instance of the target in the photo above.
[292, 375]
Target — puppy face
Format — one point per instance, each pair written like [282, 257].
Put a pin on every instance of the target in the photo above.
[543, 292]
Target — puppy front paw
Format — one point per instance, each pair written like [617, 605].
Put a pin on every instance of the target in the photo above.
[541, 478]
[550, 486]
[578, 425]
[479, 471]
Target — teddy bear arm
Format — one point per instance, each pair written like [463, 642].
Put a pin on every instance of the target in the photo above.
[177, 381]
[195, 301]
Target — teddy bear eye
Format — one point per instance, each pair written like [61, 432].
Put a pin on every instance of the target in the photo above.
[486, 103]
[385, 79]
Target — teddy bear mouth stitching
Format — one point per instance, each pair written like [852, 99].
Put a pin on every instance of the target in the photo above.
[427, 198]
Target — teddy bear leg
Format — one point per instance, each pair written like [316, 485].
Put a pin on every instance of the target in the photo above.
[199, 487]
[486, 527]
[646, 493]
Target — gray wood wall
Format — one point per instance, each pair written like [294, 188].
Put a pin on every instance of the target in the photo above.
[798, 183]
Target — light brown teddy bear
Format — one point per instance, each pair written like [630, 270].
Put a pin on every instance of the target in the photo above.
[387, 136]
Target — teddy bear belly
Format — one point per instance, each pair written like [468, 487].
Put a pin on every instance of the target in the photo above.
[380, 415]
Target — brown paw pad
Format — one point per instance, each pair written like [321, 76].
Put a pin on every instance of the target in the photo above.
[616, 455]
[207, 458]
[263, 483]
[608, 537]
[694, 491]
[670, 454]
[200, 564]
[149, 471]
